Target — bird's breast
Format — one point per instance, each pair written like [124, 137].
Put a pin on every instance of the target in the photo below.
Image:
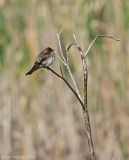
[50, 60]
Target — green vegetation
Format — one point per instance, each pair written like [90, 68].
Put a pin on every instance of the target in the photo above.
[38, 114]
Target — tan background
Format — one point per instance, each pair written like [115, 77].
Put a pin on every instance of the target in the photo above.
[39, 116]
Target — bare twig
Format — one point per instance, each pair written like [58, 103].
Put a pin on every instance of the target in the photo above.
[67, 66]
[105, 36]
[67, 49]
[61, 59]
[67, 85]
[85, 112]
[85, 72]
[58, 38]
[61, 71]
[61, 31]
[67, 58]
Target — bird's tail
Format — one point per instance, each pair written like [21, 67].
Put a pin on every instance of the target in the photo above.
[34, 68]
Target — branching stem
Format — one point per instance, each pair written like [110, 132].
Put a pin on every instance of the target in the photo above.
[104, 36]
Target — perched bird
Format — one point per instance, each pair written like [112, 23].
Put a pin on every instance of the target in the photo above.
[44, 59]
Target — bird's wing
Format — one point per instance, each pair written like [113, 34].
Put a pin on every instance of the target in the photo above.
[42, 57]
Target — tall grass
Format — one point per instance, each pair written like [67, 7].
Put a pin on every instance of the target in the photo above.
[35, 117]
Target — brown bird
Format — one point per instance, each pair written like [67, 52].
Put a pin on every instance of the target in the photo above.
[43, 60]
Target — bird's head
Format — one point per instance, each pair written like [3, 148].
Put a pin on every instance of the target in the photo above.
[50, 49]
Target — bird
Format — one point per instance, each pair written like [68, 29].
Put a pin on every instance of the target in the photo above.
[43, 60]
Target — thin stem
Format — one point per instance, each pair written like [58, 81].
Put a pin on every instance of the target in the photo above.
[61, 71]
[61, 60]
[85, 111]
[67, 58]
[58, 38]
[105, 36]
[78, 46]
[61, 31]
[70, 47]
[67, 85]
[67, 66]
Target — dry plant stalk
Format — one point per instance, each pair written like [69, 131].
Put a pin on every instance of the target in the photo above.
[65, 61]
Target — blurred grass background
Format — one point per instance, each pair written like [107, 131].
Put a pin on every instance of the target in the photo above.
[39, 116]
